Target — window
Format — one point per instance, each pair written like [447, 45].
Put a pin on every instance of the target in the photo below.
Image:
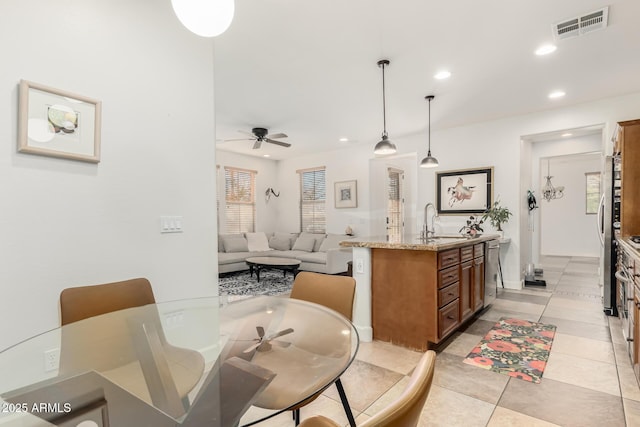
[592, 191]
[312, 200]
[240, 201]
[395, 205]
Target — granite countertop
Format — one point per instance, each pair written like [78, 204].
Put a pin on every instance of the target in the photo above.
[415, 243]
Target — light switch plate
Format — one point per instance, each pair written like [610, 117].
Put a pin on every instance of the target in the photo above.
[171, 224]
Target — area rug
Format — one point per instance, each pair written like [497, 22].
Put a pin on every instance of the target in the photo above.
[515, 347]
[271, 283]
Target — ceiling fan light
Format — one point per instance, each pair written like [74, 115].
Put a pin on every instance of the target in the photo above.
[385, 146]
[206, 18]
[429, 162]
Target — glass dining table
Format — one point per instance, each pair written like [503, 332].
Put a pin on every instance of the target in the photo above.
[247, 360]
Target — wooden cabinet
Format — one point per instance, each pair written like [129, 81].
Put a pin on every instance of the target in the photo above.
[420, 297]
[478, 277]
[627, 145]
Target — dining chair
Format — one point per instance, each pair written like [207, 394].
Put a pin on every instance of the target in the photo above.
[105, 343]
[336, 293]
[405, 410]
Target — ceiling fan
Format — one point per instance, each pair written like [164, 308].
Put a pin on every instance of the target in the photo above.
[261, 134]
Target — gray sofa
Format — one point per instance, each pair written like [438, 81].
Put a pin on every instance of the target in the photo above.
[320, 253]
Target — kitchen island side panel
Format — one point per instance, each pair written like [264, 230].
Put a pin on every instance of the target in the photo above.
[404, 296]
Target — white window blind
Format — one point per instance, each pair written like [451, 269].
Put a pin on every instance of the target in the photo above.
[313, 192]
[395, 214]
[240, 206]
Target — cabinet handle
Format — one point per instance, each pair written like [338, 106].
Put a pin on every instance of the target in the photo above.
[629, 339]
[451, 318]
[451, 294]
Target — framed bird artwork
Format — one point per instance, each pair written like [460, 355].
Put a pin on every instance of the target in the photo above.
[464, 192]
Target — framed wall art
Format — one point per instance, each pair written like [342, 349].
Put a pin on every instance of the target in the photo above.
[57, 123]
[346, 194]
[464, 192]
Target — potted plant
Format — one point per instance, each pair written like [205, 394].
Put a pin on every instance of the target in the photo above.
[497, 215]
[473, 226]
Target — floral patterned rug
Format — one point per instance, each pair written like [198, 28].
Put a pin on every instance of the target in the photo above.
[515, 347]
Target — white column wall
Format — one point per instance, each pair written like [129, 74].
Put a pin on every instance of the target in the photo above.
[67, 223]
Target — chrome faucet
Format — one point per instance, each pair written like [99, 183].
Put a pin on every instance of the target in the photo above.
[427, 233]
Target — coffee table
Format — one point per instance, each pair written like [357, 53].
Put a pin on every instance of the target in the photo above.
[260, 263]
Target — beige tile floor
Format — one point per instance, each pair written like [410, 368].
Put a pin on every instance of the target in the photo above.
[588, 381]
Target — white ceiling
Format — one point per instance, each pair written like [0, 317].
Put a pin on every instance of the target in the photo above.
[309, 68]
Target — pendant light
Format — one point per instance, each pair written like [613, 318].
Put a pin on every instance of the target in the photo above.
[384, 146]
[429, 161]
[206, 18]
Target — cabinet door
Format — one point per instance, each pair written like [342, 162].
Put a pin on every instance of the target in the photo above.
[636, 337]
[478, 283]
[466, 290]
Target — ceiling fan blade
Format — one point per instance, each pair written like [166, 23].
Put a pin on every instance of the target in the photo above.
[253, 347]
[282, 144]
[257, 144]
[278, 135]
[239, 139]
[260, 330]
[281, 333]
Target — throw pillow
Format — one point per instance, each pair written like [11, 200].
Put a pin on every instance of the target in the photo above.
[280, 241]
[332, 241]
[235, 244]
[257, 242]
[304, 243]
[318, 238]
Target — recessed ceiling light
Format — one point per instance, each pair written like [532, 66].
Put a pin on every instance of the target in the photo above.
[344, 139]
[441, 75]
[546, 49]
[557, 94]
[266, 155]
[567, 134]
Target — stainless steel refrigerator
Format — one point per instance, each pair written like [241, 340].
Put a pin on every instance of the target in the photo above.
[608, 226]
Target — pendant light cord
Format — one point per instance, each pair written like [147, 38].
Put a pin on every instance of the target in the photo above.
[384, 105]
[429, 151]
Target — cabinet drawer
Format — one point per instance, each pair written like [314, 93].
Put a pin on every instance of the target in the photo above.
[448, 276]
[448, 318]
[448, 258]
[478, 250]
[466, 253]
[448, 294]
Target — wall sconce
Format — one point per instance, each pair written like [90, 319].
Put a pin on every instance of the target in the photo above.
[206, 18]
[268, 193]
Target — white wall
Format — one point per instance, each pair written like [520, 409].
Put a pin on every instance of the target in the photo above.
[266, 212]
[342, 165]
[68, 223]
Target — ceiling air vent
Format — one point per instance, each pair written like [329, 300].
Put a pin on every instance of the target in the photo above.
[582, 24]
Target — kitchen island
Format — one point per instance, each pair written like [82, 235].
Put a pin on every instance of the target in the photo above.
[415, 292]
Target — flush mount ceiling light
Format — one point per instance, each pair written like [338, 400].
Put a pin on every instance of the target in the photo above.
[384, 146]
[441, 75]
[429, 161]
[546, 49]
[206, 18]
[557, 94]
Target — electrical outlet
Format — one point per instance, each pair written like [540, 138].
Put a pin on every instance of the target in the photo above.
[359, 266]
[51, 359]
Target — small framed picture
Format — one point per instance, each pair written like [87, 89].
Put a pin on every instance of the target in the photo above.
[57, 123]
[346, 194]
[464, 192]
